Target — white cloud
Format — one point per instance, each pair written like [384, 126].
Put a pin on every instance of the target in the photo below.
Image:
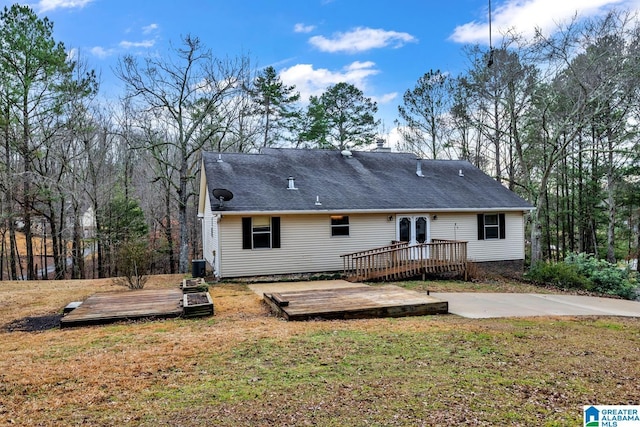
[72, 54]
[524, 16]
[129, 45]
[301, 28]
[361, 39]
[314, 81]
[48, 5]
[101, 52]
[149, 28]
[386, 98]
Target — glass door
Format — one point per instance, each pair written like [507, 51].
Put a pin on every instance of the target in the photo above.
[414, 229]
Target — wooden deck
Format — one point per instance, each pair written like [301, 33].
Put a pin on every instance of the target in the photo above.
[362, 302]
[400, 261]
[125, 305]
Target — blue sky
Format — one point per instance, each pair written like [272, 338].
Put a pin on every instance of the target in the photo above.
[382, 47]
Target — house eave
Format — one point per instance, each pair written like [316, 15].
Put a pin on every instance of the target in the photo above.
[370, 211]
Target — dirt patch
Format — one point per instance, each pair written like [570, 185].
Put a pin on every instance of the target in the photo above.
[197, 298]
[34, 323]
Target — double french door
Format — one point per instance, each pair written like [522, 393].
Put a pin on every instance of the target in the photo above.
[414, 229]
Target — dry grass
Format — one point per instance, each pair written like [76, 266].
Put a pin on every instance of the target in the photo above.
[244, 367]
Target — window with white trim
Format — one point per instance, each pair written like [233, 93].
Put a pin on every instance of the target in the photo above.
[339, 225]
[491, 226]
[260, 232]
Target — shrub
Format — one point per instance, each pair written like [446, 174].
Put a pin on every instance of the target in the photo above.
[559, 274]
[133, 264]
[605, 277]
[584, 271]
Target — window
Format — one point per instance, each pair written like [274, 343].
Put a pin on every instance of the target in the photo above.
[491, 226]
[421, 229]
[339, 225]
[260, 232]
[405, 230]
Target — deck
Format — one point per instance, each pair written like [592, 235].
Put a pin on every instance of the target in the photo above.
[401, 261]
[363, 302]
[129, 305]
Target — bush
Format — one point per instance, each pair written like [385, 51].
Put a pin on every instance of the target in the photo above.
[605, 278]
[559, 274]
[584, 271]
[133, 264]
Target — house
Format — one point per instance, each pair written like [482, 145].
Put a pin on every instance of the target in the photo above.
[284, 211]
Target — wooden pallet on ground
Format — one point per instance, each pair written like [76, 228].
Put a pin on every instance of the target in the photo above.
[109, 307]
[353, 303]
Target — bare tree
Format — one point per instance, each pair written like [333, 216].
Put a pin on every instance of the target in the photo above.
[187, 93]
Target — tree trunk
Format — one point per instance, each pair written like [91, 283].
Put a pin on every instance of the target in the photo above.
[168, 232]
[611, 201]
[182, 218]
[13, 250]
[56, 245]
[99, 242]
[77, 250]
[536, 234]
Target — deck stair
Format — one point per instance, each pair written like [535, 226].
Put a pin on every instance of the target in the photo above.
[401, 261]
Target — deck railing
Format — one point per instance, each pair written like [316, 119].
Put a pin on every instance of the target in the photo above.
[400, 261]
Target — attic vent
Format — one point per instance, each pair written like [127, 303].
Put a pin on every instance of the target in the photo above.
[346, 154]
[292, 184]
[460, 173]
[419, 168]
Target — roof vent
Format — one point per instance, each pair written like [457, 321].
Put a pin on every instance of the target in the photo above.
[380, 146]
[219, 158]
[419, 168]
[346, 154]
[318, 203]
[460, 173]
[292, 184]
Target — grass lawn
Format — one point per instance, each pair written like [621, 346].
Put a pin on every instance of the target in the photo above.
[243, 367]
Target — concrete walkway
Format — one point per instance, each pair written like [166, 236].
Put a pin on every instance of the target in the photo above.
[486, 305]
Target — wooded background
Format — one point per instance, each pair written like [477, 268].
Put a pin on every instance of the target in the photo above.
[90, 187]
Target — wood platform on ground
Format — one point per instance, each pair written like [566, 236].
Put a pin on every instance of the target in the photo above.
[125, 305]
[362, 302]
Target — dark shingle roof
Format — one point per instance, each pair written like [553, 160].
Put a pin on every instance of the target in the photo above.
[366, 181]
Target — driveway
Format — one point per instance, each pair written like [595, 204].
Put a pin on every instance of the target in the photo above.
[485, 305]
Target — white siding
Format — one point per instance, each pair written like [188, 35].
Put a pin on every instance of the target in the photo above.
[464, 226]
[306, 244]
[210, 236]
